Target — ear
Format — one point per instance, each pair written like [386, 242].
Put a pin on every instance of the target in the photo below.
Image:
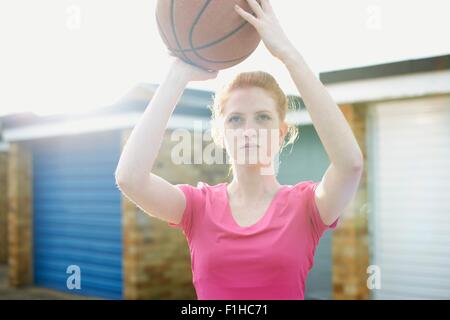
[283, 131]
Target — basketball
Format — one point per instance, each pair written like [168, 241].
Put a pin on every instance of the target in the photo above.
[208, 34]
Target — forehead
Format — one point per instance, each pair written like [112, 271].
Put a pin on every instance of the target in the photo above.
[251, 99]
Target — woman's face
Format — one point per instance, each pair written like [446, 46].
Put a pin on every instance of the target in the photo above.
[251, 126]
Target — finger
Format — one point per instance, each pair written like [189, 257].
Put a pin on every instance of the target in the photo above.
[245, 15]
[266, 5]
[256, 8]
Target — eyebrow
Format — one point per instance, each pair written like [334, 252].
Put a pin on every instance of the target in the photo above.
[261, 111]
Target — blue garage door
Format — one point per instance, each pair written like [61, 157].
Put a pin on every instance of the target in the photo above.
[77, 214]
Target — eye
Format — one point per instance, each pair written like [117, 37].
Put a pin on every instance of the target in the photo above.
[264, 117]
[234, 119]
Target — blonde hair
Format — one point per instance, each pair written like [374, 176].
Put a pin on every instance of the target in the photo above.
[259, 79]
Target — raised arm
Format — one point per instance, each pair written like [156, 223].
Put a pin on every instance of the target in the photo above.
[151, 193]
[341, 180]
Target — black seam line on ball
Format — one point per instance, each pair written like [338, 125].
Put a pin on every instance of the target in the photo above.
[194, 50]
[210, 44]
[172, 21]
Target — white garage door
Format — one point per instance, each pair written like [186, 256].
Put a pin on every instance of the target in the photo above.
[409, 185]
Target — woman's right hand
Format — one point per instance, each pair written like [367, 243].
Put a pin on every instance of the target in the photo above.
[190, 72]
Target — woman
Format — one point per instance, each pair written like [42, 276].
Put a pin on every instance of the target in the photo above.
[252, 238]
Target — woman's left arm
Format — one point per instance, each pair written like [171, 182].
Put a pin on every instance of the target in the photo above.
[341, 180]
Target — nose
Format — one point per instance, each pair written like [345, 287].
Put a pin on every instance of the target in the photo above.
[249, 131]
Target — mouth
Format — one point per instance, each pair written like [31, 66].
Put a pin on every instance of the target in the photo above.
[249, 146]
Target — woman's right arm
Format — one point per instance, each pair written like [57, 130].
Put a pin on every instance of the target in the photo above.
[153, 194]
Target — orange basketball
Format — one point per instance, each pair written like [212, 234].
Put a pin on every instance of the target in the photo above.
[207, 33]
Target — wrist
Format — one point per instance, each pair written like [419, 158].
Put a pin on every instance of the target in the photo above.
[291, 56]
[177, 77]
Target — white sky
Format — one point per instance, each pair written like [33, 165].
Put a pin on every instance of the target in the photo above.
[49, 65]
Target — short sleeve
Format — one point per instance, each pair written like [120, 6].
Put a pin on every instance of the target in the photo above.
[317, 224]
[193, 196]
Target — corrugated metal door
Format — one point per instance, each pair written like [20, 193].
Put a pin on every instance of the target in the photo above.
[77, 214]
[409, 165]
[307, 160]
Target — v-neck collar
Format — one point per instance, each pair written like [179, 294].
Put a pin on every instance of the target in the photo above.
[260, 221]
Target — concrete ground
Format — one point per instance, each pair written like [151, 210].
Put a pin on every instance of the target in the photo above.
[30, 292]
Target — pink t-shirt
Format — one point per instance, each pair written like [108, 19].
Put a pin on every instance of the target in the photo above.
[267, 260]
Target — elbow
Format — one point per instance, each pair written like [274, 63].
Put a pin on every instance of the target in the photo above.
[358, 165]
[121, 179]
[354, 164]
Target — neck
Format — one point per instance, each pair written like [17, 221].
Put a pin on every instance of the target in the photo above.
[251, 183]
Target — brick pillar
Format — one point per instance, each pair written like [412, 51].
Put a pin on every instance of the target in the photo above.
[156, 259]
[350, 239]
[3, 207]
[157, 263]
[132, 243]
[20, 270]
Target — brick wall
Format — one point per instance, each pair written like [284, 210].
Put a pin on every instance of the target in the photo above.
[157, 263]
[20, 245]
[3, 207]
[350, 239]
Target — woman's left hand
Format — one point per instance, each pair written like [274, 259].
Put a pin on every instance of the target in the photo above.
[268, 27]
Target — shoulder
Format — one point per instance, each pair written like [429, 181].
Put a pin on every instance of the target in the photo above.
[201, 185]
[200, 190]
[196, 199]
[302, 195]
[303, 187]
